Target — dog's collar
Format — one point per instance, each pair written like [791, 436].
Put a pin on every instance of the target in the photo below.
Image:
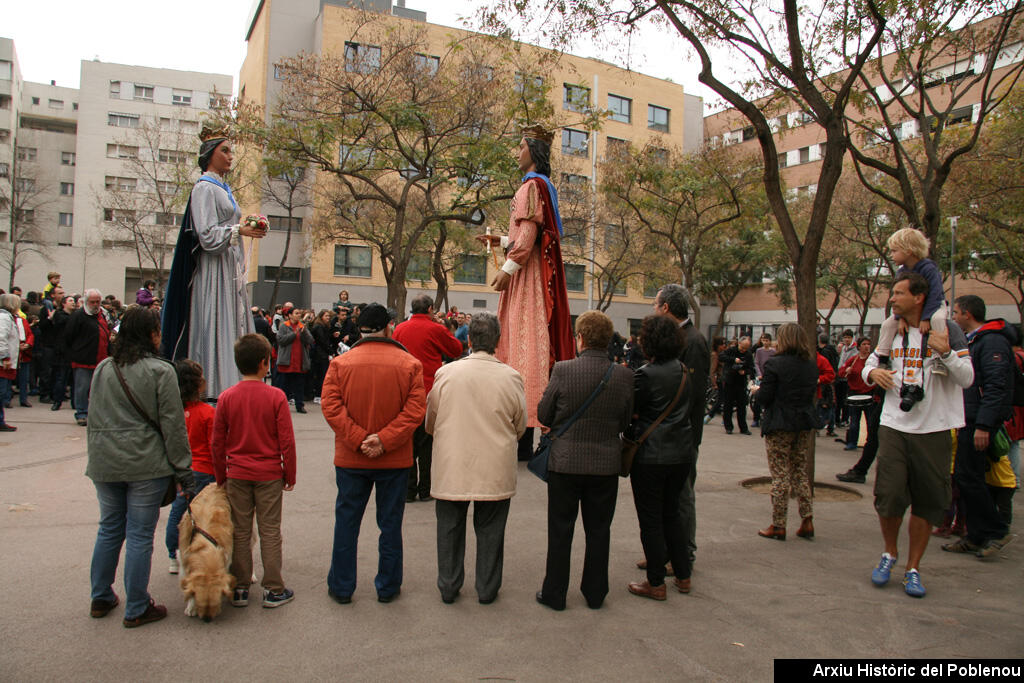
[199, 530]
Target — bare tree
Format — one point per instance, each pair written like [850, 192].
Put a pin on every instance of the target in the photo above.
[143, 207]
[943, 72]
[25, 199]
[287, 187]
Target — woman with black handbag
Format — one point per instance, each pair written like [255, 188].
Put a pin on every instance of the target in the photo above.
[137, 448]
[662, 399]
[584, 461]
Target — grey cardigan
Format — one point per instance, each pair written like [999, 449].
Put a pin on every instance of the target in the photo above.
[591, 445]
[121, 445]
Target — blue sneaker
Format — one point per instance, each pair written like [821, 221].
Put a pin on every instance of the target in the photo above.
[912, 584]
[880, 575]
[281, 597]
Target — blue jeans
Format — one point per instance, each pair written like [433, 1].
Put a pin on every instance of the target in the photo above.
[353, 492]
[83, 378]
[178, 508]
[5, 386]
[128, 509]
[24, 372]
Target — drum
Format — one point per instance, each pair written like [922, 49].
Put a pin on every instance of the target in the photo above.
[860, 400]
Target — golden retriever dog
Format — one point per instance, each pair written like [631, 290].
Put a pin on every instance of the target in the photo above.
[206, 578]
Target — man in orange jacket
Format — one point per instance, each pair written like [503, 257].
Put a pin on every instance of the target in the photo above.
[373, 399]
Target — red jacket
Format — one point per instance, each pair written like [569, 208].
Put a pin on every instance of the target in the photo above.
[376, 388]
[199, 418]
[252, 435]
[427, 341]
[825, 372]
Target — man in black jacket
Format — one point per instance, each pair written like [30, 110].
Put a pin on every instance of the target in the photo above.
[87, 337]
[987, 404]
[737, 369]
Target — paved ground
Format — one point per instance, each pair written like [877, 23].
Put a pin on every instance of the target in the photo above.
[753, 599]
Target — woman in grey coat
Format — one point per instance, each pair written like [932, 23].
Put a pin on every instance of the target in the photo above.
[584, 463]
[132, 463]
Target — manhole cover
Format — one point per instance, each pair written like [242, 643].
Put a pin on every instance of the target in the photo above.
[823, 493]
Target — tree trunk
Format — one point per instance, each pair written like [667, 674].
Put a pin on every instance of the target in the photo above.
[437, 270]
[280, 266]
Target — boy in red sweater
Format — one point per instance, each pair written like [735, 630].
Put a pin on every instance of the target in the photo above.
[254, 452]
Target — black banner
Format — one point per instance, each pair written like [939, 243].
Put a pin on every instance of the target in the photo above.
[897, 670]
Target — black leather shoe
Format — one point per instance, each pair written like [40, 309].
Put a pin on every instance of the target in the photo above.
[542, 600]
[449, 599]
[745, 431]
[389, 598]
[55, 405]
[300, 410]
[340, 599]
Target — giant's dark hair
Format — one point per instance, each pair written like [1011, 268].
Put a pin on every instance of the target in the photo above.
[134, 340]
[540, 154]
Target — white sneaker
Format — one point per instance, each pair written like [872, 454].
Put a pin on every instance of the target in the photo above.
[174, 567]
[291, 401]
[316, 399]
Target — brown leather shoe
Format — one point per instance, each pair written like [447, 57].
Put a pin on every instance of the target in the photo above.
[669, 571]
[101, 608]
[683, 585]
[806, 529]
[776, 532]
[153, 613]
[646, 590]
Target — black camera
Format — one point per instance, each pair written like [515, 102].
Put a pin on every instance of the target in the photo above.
[910, 394]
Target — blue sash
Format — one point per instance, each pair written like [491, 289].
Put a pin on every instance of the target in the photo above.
[551, 192]
[224, 186]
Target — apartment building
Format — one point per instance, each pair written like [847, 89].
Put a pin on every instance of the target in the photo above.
[800, 144]
[91, 156]
[641, 107]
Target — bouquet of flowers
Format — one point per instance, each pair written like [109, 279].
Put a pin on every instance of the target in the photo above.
[258, 221]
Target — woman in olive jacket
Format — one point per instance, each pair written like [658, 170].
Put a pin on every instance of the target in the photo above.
[787, 395]
[661, 465]
[132, 463]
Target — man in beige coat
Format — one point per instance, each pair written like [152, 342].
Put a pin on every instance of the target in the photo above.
[476, 412]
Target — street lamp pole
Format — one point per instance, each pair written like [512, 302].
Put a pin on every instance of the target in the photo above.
[952, 257]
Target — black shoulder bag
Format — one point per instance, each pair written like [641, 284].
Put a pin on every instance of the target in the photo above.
[538, 464]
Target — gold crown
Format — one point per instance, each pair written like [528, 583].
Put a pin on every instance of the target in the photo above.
[538, 132]
[212, 131]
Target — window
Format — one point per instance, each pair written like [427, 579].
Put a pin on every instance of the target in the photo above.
[287, 274]
[428, 63]
[165, 123]
[26, 154]
[55, 104]
[173, 156]
[5, 169]
[352, 260]
[74, 106]
[657, 118]
[749, 133]
[651, 287]
[25, 215]
[354, 155]
[144, 93]
[112, 183]
[123, 120]
[618, 290]
[222, 101]
[283, 222]
[166, 187]
[182, 98]
[279, 72]
[122, 151]
[120, 215]
[35, 100]
[67, 158]
[188, 126]
[162, 218]
[25, 184]
[5, 102]
[418, 269]
[961, 115]
[65, 220]
[67, 189]
[621, 108]
[575, 142]
[575, 97]
[574, 277]
[573, 185]
[5, 70]
[361, 59]
[805, 155]
[617, 147]
[528, 84]
[783, 159]
[471, 269]
[115, 89]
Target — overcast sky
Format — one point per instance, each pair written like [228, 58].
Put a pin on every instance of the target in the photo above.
[208, 35]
